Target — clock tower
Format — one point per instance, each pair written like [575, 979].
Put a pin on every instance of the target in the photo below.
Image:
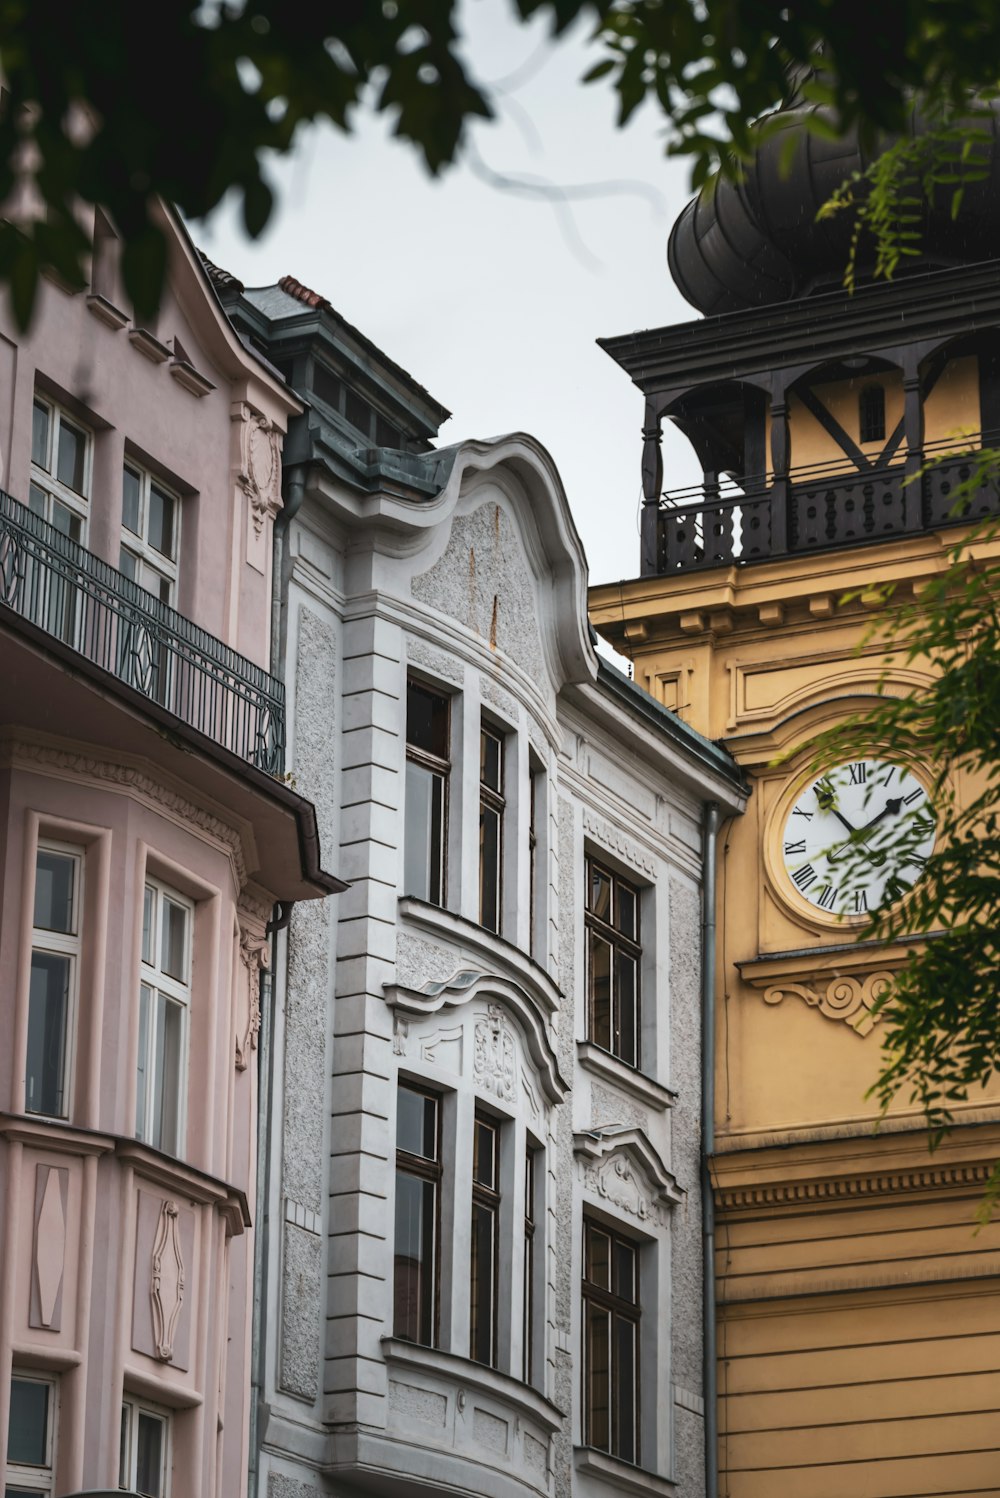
[858, 1316]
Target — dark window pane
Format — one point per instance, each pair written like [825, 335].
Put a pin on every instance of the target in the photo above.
[48, 1007]
[149, 1456]
[66, 522]
[142, 1079]
[598, 1359]
[37, 501]
[173, 954]
[426, 720]
[423, 854]
[359, 413]
[40, 435]
[55, 875]
[489, 868]
[625, 1389]
[27, 1439]
[598, 1267]
[483, 1283]
[491, 760]
[123, 1472]
[161, 521]
[627, 912]
[413, 1263]
[624, 1271]
[167, 1071]
[871, 413]
[484, 1155]
[627, 990]
[72, 450]
[131, 485]
[416, 1123]
[128, 564]
[600, 991]
[600, 893]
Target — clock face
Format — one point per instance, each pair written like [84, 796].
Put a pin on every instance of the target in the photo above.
[837, 836]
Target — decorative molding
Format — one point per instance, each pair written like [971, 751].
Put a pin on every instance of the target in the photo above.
[150, 347]
[495, 695]
[166, 1288]
[621, 1167]
[49, 1257]
[615, 841]
[844, 997]
[400, 1034]
[255, 954]
[259, 475]
[970, 1177]
[22, 754]
[643, 1089]
[494, 1067]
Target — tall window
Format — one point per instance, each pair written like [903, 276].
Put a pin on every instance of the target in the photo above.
[143, 1458]
[485, 1238]
[871, 413]
[491, 807]
[150, 525]
[31, 1437]
[60, 469]
[611, 1342]
[427, 766]
[527, 1367]
[613, 952]
[418, 1185]
[164, 997]
[55, 958]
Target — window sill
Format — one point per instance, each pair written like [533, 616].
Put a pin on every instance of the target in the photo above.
[463, 1371]
[602, 1064]
[621, 1475]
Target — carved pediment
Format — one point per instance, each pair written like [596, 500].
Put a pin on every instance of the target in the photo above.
[621, 1168]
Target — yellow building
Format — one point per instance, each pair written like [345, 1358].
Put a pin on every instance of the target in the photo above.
[858, 1314]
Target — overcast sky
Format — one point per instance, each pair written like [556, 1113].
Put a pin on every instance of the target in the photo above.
[490, 299]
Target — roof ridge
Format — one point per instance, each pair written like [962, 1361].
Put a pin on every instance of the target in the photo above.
[302, 293]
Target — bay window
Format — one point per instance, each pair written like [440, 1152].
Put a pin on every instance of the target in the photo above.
[491, 814]
[483, 1262]
[427, 769]
[416, 1265]
[164, 1001]
[143, 1452]
[52, 992]
[31, 1437]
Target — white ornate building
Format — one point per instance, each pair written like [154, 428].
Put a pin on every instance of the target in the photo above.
[481, 1262]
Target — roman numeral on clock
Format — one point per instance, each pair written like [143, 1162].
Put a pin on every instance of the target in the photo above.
[858, 772]
[825, 897]
[805, 876]
[792, 848]
[860, 901]
[913, 796]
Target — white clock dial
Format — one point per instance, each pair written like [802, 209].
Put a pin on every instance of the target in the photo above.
[836, 837]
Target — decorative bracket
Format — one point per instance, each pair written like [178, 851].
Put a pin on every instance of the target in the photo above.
[256, 956]
[843, 998]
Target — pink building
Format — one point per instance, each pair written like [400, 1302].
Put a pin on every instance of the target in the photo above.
[147, 840]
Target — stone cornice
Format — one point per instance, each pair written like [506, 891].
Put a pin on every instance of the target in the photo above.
[965, 1177]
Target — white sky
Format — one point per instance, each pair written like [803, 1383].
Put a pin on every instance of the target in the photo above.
[490, 299]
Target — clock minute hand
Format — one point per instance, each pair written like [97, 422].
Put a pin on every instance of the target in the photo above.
[841, 818]
[891, 808]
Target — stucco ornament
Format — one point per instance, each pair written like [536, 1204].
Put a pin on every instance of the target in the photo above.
[255, 955]
[166, 1291]
[616, 1182]
[844, 998]
[259, 475]
[494, 1067]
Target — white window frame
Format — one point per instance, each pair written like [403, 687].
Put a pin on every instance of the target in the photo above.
[152, 568]
[132, 1410]
[164, 988]
[43, 475]
[61, 944]
[26, 1479]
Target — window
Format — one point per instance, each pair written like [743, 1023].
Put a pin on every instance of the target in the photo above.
[31, 1437]
[142, 1462]
[611, 1342]
[418, 1183]
[485, 1237]
[529, 1265]
[871, 413]
[164, 993]
[427, 766]
[491, 808]
[150, 526]
[613, 952]
[55, 958]
[60, 470]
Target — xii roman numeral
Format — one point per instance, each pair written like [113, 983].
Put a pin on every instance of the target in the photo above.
[858, 772]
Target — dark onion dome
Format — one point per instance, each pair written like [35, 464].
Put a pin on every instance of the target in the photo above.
[757, 241]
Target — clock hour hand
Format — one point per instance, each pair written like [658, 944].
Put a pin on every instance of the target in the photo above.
[841, 818]
[890, 809]
[826, 801]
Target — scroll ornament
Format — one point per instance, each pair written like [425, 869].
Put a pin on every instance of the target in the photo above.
[844, 998]
[166, 1290]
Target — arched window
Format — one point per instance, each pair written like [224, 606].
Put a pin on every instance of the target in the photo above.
[871, 413]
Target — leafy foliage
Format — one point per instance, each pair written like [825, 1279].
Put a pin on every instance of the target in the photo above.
[186, 99]
[941, 1015]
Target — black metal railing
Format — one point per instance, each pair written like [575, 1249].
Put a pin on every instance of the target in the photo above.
[69, 593]
[818, 508]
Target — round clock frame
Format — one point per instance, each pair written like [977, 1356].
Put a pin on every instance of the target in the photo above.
[833, 832]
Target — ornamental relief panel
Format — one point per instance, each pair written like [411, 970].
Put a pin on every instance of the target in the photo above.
[495, 1056]
[163, 1287]
[846, 997]
[616, 1182]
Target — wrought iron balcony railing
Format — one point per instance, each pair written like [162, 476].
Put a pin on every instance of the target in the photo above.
[71, 595]
[813, 509]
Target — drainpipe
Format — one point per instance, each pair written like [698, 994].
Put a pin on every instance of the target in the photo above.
[295, 493]
[710, 831]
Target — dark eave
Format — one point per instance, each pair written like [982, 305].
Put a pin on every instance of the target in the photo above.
[938, 306]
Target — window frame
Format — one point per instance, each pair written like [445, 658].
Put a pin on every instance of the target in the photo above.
[431, 1172]
[622, 946]
[22, 1477]
[134, 1409]
[493, 803]
[164, 988]
[532, 1156]
[137, 545]
[619, 1311]
[486, 1198]
[43, 475]
[439, 767]
[59, 944]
